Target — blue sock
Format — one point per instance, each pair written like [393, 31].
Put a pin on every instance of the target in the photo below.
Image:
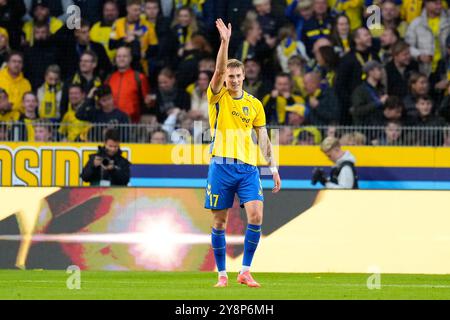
[252, 236]
[219, 247]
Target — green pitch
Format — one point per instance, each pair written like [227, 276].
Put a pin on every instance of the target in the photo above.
[16, 284]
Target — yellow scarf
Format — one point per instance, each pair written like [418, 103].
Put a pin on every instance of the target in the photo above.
[196, 5]
[361, 61]
[289, 47]
[434, 23]
[48, 107]
[77, 80]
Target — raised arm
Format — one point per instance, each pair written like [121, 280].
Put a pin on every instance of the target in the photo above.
[267, 151]
[222, 57]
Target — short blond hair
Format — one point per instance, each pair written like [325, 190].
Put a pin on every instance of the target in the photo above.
[235, 63]
[329, 143]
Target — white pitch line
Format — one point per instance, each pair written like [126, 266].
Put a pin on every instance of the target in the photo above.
[126, 238]
[429, 286]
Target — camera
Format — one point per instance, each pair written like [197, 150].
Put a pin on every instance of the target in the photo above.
[318, 175]
[106, 162]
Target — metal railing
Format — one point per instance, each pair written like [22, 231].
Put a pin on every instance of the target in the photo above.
[199, 132]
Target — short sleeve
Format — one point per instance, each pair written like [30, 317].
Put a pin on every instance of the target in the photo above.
[260, 119]
[214, 98]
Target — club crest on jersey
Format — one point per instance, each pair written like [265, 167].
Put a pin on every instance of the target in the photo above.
[245, 111]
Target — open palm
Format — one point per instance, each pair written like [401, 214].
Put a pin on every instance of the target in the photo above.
[225, 32]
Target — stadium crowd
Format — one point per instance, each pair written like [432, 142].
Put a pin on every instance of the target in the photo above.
[145, 65]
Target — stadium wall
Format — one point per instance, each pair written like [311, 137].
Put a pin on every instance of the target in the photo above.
[59, 164]
[168, 230]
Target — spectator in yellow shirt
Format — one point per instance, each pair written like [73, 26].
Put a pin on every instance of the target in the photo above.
[71, 128]
[352, 8]
[7, 114]
[41, 14]
[101, 31]
[135, 32]
[13, 81]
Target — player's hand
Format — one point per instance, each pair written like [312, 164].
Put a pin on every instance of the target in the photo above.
[224, 31]
[276, 182]
[313, 102]
[97, 161]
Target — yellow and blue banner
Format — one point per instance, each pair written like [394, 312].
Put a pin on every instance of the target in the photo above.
[60, 164]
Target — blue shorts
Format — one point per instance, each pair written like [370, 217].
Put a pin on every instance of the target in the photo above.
[226, 178]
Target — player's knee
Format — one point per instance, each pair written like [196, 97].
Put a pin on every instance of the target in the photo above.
[255, 218]
[220, 223]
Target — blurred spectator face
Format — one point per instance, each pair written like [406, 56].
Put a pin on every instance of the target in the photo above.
[283, 85]
[158, 137]
[295, 67]
[76, 96]
[3, 42]
[319, 58]
[294, 119]
[148, 119]
[87, 63]
[343, 26]
[306, 13]
[110, 12]
[320, 7]
[203, 81]
[376, 74]
[152, 10]
[263, 8]
[106, 103]
[255, 31]
[30, 103]
[424, 107]
[123, 58]
[52, 78]
[41, 33]
[207, 65]
[332, 131]
[42, 134]
[393, 113]
[388, 38]
[403, 58]
[392, 131]
[389, 11]
[252, 70]
[434, 8]
[420, 88]
[4, 136]
[312, 83]
[363, 38]
[165, 83]
[15, 64]
[82, 35]
[285, 136]
[41, 13]
[184, 18]
[134, 12]
[4, 102]
[322, 42]
[111, 147]
[187, 124]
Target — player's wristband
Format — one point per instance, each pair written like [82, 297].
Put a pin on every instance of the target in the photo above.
[273, 170]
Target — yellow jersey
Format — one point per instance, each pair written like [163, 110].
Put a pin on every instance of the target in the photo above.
[100, 33]
[147, 36]
[232, 121]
